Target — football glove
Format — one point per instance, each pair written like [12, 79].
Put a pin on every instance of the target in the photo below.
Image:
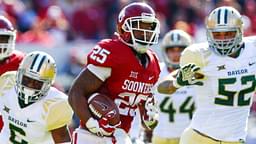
[152, 113]
[101, 127]
[107, 129]
[94, 127]
[121, 137]
[186, 76]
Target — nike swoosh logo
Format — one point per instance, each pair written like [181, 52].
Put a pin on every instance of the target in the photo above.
[150, 78]
[30, 121]
[104, 107]
[250, 64]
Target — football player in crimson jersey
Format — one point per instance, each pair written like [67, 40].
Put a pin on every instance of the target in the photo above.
[9, 58]
[124, 69]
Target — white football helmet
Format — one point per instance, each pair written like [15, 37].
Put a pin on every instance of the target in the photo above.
[224, 19]
[7, 37]
[35, 76]
[172, 39]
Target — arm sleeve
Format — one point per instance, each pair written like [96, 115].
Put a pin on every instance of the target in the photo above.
[7, 81]
[103, 54]
[59, 115]
[191, 55]
[102, 59]
[101, 72]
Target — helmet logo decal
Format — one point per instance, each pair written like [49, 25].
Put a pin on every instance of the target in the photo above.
[147, 15]
[121, 16]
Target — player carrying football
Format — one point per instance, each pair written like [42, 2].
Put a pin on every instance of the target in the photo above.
[124, 69]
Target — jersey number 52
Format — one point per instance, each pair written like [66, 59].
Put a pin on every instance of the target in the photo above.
[248, 82]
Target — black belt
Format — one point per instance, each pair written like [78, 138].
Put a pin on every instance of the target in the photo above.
[206, 135]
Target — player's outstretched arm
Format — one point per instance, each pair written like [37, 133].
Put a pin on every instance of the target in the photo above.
[188, 75]
[83, 86]
[166, 85]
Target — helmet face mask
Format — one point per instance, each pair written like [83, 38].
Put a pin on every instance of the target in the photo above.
[31, 89]
[174, 42]
[35, 76]
[224, 30]
[7, 38]
[138, 26]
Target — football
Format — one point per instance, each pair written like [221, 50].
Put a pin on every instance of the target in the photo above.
[101, 105]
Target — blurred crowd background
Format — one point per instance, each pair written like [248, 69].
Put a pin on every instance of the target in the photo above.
[49, 22]
[68, 29]
[64, 24]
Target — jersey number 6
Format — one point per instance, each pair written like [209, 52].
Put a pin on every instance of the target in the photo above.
[14, 132]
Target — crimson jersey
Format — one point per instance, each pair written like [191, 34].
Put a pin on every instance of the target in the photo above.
[12, 62]
[130, 83]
